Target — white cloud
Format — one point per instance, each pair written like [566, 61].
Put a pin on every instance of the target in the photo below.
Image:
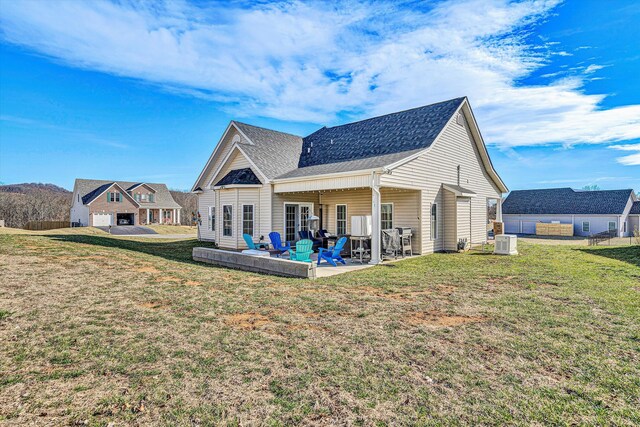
[311, 61]
[593, 68]
[631, 159]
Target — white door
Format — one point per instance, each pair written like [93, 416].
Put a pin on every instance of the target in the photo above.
[296, 219]
[101, 220]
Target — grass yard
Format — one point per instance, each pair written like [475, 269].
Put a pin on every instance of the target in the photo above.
[98, 329]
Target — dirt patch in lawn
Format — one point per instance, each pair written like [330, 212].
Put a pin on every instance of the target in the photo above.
[192, 283]
[147, 269]
[155, 305]
[438, 319]
[247, 321]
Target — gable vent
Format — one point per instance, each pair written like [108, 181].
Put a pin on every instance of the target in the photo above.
[460, 119]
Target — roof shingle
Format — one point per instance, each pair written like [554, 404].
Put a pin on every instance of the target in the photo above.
[239, 177]
[566, 201]
[635, 209]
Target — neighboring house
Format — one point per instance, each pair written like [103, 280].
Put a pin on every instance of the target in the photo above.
[426, 168]
[102, 203]
[634, 218]
[590, 212]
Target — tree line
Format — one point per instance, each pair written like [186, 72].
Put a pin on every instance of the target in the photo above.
[21, 203]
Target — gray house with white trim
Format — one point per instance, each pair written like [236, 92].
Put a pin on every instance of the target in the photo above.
[590, 212]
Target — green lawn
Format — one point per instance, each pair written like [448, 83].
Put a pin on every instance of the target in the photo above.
[103, 330]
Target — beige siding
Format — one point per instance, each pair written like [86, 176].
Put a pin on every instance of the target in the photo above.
[449, 219]
[237, 160]
[334, 183]
[358, 203]
[278, 201]
[406, 212]
[206, 199]
[463, 220]
[438, 166]
[225, 146]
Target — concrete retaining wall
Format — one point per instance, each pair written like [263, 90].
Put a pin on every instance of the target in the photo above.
[239, 261]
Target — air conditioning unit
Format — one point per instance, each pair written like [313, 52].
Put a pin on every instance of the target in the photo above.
[506, 244]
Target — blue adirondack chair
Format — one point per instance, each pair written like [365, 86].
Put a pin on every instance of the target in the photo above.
[302, 252]
[274, 236]
[308, 235]
[333, 254]
[249, 241]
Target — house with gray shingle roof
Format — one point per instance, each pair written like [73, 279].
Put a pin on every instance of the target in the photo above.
[102, 203]
[426, 169]
[590, 212]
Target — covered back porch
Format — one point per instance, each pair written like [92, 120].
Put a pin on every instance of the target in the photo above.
[149, 216]
[337, 205]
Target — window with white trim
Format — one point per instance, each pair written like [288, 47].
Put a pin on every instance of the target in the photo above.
[434, 221]
[114, 197]
[386, 215]
[212, 218]
[341, 219]
[586, 227]
[624, 227]
[227, 220]
[613, 226]
[247, 219]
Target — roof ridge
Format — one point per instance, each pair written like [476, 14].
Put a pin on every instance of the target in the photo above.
[390, 114]
[264, 128]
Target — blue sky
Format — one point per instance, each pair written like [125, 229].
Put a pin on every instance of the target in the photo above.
[143, 91]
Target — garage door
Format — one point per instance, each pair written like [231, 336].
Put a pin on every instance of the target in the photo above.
[529, 227]
[101, 220]
[512, 226]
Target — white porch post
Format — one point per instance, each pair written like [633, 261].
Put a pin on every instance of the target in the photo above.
[179, 216]
[375, 219]
[174, 215]
[499, 210]
[148, 216]
[160, 217]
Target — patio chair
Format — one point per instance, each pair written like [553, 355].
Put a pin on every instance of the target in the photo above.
[332, 255]
[323, 233]
[249, 241]
[302, 252]
[306, 235]
[274, 236]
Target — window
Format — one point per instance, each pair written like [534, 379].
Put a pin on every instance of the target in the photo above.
[586, 227]
[212, 218]
[434, 221]
[386, 215]
[151, 198]
[114, 197]
[136, 197]
[247, 219]
[624, 227]
[612, 226]
[78, 196]
[341, 219]
[227, 220]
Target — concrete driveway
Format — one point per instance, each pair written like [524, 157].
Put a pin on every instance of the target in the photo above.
[128, 230]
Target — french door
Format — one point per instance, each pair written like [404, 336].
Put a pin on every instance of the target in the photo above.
[296, 217]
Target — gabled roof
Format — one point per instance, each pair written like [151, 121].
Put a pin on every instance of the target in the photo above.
[566, 201]
[89, 189]
[404, 131]
[239, 177]
[271, 151]
[134, 186]
[635, 208]
[379, 142]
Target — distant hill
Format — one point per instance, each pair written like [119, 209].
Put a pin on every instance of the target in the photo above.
[21, 203]
[28, 188]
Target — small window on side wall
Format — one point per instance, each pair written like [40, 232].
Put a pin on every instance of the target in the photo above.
[434, 221]
[341, 219]
[386, 215]
[586, 227]
[247, 219]
[613, 226]
[227, 220]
